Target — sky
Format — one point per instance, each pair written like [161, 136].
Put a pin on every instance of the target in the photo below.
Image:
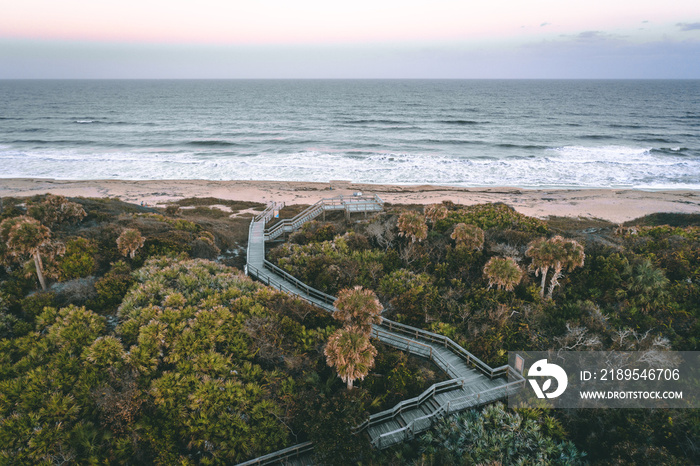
[465, 39]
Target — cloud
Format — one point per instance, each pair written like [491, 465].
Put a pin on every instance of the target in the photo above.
[599, 37]
[689, 26]
[544, 24]
[589, 35]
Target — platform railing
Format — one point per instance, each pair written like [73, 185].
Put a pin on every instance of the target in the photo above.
[347, 203]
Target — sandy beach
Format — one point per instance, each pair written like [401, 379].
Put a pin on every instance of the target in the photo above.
[615, 205]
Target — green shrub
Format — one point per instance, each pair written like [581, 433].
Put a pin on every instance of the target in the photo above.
[411, 297]
[185, 225]
[34, 304]
[7, 325]
[494, 435]
[112, 288]
[487, 216]
[211, 212]
[172, 209]
[79, 259]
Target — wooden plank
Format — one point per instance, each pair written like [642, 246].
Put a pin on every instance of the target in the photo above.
[412, 414]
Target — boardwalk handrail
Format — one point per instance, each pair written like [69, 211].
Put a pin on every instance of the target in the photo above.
[318, 207]
[313, 292]
[447, 342]
[392, 326]
[411, 403]
[268, 212]
[247, 249]
[280, 455]
[434, 356]
[254, 271]
[409, 430]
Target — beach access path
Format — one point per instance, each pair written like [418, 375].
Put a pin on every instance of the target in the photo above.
[471, 382]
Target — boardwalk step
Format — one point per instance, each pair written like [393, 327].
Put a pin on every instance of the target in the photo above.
[432, 404]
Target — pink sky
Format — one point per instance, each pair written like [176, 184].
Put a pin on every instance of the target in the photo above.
[358, 39]
[360, 21]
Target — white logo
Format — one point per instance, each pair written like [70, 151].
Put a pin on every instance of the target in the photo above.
[542, 368]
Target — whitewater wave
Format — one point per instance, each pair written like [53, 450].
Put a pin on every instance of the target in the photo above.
[567, 166]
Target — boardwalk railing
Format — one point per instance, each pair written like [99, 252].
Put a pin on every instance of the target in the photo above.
[423, 423]
[313, 292]
[269, 212]
[469, 358]
[281, 456]
[414, 347]
[348, 204]
[411, 403]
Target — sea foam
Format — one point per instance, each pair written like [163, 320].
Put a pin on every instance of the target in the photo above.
[571, 166]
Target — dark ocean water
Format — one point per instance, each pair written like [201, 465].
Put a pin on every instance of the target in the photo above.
[573, 134]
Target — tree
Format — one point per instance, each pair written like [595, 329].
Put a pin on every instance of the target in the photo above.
[359, 308]
[645, 285]
[557, 253]
[412, 224]
[25, 236]
[350, 352]
[503, 272]
[435, 212]
[468, 236]
[542, 255]
[54, 210]
[569, 254]
[129, 242]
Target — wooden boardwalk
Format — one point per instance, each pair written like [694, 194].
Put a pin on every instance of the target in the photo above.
[471, 383]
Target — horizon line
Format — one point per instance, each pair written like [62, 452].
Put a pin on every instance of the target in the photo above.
[350, 79]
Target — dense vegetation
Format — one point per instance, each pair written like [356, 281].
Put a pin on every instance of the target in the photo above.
[495, 280]
[142, 350]
[126, 336]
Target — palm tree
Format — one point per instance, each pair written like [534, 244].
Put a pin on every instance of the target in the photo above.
[467, 236]
[129, 242]
[540, 251]
[351, 354]
[503, 272]
[358, 307]
[647, 284]
[557, 253]
[56, 209]
[569, 255]
[24, 236]
[412, 224]
[435, 212]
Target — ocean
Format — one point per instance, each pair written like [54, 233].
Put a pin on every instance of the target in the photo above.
[521, 133]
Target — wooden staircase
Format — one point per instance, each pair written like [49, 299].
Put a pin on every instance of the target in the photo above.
[472, 382]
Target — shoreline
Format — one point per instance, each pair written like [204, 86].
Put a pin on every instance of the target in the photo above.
[615, 205]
